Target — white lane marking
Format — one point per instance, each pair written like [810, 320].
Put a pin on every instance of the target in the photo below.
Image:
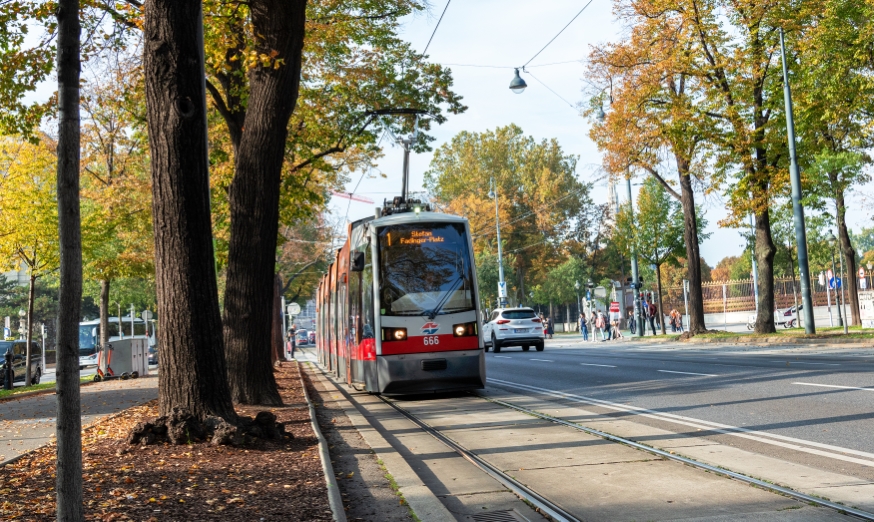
[759, 436]
[833, 386]
[602, 365]
[503, 356]
[689, 373]
[824, 364]
[541, 360]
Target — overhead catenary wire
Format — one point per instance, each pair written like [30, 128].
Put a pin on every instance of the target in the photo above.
[485, 66]
[559, 33]
[550, 89]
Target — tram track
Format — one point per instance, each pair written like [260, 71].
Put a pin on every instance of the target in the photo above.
[557, 512]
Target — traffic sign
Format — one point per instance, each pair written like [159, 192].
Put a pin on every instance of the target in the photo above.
[834, 282]
[502, 289]
[614, 307]
[829, 274]
[821, 279]
[146, 315]
[293, 309]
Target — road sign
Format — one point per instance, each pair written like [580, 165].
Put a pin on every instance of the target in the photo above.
[821, 279]
[293, 309]
[614, 307]
[502, 289]
[834, 282]
[829, 274]
[861, 273]
[866, 309]
[146, 315]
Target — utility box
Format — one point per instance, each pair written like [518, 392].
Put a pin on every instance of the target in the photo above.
[126, 356]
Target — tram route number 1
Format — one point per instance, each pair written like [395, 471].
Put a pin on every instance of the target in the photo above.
[431, 339]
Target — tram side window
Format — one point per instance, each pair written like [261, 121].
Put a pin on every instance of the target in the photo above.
[355, 307]
[367, 295]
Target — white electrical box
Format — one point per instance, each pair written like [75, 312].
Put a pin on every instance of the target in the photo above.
[126, 356]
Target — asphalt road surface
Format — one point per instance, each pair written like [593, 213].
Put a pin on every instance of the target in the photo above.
[811, 408]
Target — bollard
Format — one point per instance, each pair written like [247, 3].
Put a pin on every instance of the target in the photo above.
[10, 374]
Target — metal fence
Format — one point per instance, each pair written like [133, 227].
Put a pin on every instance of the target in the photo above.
[739, 295]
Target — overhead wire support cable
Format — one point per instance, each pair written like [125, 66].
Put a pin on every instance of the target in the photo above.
[559, 33]
[435, 28]
[550, 89]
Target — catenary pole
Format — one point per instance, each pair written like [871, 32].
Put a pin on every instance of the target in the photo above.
[797, 208]
[501, 299]
[634, 272]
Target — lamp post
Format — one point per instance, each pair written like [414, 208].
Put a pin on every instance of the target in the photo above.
[843, 295]
[579, 301]
[870, 276]
[836, 279]
[797, 207]
[635, 277]
[22, 323]
[502, 286]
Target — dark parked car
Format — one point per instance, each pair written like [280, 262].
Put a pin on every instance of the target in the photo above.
[19, 367]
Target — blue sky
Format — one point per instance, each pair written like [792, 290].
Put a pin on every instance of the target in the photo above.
[507, 33]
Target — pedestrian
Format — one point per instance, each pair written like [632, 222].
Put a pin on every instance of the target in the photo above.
[615, 332]
[549, 328]
[673, 316]
[652, 311]
[601, 323]
[584, 328]
[593, 320]
[292, 331]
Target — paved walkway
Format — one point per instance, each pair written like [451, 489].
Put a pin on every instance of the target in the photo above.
[29, 422]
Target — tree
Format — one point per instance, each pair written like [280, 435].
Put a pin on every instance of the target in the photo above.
[29, 229]
[542, 204]
[656, 116]
[68, 424]
[654, 230]
[193, 376]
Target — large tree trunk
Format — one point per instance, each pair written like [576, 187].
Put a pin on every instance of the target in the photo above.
[765, 252]
[68, 426]
[659, 285]
[850, 278]
[29, 332]
[104, 313]
[693, 255]
[193, 371]
[254, 201]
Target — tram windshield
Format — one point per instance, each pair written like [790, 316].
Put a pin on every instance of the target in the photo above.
[425, 269]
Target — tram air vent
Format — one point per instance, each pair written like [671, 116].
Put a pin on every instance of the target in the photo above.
[433, 364]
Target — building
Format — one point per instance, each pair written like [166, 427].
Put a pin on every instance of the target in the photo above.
[17, 276]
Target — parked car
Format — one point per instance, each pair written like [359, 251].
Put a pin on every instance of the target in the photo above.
[513, 327]
[303, 337]
[19, 367]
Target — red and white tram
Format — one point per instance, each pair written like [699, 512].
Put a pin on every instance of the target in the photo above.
[397, 311]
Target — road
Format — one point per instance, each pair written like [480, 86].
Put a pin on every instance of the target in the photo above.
[800, 406]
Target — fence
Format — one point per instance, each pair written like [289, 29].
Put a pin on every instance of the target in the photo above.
[739, 296]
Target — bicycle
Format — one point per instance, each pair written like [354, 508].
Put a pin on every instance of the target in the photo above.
[632, 325]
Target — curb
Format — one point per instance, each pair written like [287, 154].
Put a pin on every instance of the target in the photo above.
[334, 498]
[421, 500]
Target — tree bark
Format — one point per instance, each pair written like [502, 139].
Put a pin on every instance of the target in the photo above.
[851, 278]
[193, 370]
[68, 426]
[693, 255]
[29, 336]
[104, 312]
[765, 252]
[254, 201]
[659, 286]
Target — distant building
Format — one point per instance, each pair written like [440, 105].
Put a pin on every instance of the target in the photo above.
[17, 276]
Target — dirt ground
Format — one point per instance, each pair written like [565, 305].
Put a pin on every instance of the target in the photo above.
[364, 483]
[269, 480]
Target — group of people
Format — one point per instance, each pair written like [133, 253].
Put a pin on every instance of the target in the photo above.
[599, 323]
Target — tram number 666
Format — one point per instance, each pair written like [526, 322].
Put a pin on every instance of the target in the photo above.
[431, 339]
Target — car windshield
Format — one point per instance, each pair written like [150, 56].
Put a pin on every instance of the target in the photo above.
[518, 314]
[425, 268]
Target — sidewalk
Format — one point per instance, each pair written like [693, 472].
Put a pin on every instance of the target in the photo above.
[29, 422]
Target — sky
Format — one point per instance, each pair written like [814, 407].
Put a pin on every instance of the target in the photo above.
[506, 34]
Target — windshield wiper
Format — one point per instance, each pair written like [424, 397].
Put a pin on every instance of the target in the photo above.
[433, 313]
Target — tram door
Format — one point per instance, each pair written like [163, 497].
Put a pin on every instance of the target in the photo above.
[343, 333]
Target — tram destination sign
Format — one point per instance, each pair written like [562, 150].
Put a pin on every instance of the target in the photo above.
[415, 237]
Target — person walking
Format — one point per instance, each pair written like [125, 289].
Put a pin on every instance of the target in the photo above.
[549, 328]
[601, 323]
[584, 328]
[292, 331]
[673, 316]
[652, 311]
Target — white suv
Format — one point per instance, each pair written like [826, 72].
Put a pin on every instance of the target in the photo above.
[513, 327]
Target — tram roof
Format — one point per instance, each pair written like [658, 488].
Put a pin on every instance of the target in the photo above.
[412, 217]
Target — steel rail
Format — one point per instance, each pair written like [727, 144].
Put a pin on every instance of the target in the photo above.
[540, 502]
[865, 515]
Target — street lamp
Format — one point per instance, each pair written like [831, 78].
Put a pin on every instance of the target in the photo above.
[22, 322]
[502, 286]
[841, 320]
[870, 275]
[517, 84]
[579, 302]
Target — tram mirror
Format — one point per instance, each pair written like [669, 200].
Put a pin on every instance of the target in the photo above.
[357, 262]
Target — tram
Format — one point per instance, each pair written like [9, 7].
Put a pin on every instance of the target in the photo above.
[398, 311]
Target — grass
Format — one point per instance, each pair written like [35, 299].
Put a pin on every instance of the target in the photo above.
[834, 333]
[27, 389]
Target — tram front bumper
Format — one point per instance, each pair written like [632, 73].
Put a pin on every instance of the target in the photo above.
[431, 372]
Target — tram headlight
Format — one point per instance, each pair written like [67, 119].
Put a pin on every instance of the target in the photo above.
[394, 334]
[464, 329]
